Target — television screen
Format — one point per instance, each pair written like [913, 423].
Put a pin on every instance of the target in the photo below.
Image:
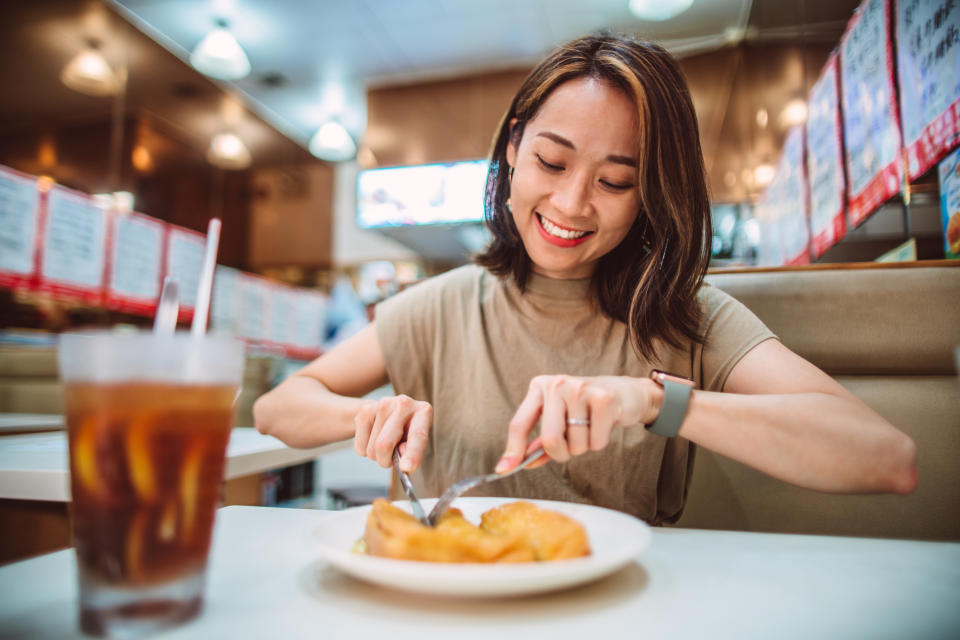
[424, 194]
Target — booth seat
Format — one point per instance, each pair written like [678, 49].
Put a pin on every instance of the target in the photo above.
[887, 333]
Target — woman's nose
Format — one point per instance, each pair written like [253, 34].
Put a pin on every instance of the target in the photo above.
[571, 194]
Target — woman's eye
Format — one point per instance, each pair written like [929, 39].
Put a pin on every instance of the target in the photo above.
[549, 166]
[616, 186]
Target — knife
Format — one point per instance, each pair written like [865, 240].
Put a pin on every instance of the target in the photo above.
[415, 506]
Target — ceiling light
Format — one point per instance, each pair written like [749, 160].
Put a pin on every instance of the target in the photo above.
[331, 142]
[89, 72]
[227, 151]
[762, 118]
[141, 159]
[219, 55]
[763, 174]
[658, 10]
[794, 113]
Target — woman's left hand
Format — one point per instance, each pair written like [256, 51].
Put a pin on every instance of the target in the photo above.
[577, 415]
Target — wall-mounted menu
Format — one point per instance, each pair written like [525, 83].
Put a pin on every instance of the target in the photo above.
[871, 132]
[928, 66]
[184, 262]
[255, 307]
[950, 203]
[825, 162]
[136, 262]
[225, 313]
[73, 245]
[782, 211]
[283, 315]
[310, 324]
[19, 210]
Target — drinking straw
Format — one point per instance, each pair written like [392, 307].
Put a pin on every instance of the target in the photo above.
[165, 322]
[199, 325]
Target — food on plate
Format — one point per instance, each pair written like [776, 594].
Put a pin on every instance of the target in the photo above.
[514, 532]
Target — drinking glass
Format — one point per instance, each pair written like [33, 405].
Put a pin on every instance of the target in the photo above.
[148, 419]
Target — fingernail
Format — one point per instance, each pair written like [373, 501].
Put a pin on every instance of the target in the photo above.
[505, 463]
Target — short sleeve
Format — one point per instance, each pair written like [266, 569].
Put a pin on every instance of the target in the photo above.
[731, 330]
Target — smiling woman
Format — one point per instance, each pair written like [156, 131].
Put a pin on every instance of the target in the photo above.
[591, 290]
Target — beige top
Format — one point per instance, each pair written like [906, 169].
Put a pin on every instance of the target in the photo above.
[469, 343]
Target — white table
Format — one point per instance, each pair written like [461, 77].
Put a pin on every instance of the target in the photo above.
[265, 581]
[36, 466]
[23, 422]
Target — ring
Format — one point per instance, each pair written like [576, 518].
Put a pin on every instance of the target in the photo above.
[578, 421]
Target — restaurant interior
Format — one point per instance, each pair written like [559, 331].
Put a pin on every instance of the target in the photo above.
[343, 146]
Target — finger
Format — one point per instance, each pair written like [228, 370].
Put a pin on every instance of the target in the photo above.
[603, 414]
[384, 409]
[553, 422]
[389, 437]
[520, 427]
[418, 434]
[578, 431]
[362, 423]
[535, 444]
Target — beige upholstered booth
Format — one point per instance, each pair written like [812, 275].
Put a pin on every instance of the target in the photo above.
[888, 333]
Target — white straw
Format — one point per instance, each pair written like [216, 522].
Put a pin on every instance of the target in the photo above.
[199, 326]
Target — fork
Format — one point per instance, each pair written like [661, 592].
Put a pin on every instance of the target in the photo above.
[455, 490]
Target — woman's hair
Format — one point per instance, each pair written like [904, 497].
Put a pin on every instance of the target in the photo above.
[650, 280]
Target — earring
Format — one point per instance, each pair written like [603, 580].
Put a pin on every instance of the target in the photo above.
[510, 175]
[508, 206]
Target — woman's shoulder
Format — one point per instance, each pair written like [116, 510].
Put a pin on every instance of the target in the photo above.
[717, 305]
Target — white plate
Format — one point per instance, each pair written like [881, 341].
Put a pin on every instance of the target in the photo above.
[616, 539]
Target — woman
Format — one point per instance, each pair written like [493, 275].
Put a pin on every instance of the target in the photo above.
[598, 205]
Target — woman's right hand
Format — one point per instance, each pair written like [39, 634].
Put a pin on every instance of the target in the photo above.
[382, 425]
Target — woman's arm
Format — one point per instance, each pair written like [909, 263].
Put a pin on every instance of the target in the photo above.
[317, 404]
[778, 413]
[320, 404]
[787, 418]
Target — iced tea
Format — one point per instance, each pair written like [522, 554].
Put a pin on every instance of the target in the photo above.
[146, 461]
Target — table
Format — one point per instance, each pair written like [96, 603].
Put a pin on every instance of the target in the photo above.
[24, 422]
[265, 580]
[36, 466]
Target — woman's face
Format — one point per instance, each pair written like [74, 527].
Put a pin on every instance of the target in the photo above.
[574, 191]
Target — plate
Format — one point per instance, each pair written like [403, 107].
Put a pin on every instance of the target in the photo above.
[616, 539]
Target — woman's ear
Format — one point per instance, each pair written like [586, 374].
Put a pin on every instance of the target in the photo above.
[512, 145]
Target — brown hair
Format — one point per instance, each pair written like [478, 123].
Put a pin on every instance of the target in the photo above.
[650, 280]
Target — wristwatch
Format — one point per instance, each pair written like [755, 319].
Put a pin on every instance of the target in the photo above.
[676, 398]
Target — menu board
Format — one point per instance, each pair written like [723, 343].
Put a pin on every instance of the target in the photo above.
[871, 133]
[255, 301]
[825, 162]
[928, 67]
[225, 301]
[283, 315]
[783, 209]
[185, 262]
[73, 245]
[950, 203]
[310, 325]
[19, 213]
[136, 263]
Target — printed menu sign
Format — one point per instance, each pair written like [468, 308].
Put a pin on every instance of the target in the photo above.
[283, 315]
[782, 211]
[928, 66]
[870, 128]
[73, 244]
[825, 162]
[310, 320]
[254, 307]
[950, 203]
[225, 301]
[185, 261]
[19, 204]
[136, 262]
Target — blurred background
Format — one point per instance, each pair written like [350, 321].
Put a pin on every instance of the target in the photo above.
[342, 144]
